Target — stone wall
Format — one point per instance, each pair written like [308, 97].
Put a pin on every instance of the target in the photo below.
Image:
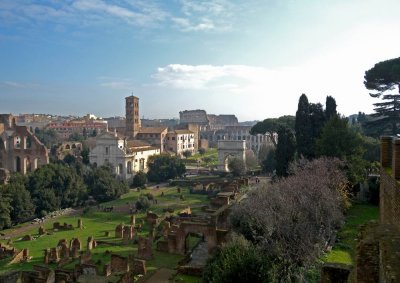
[389, 200]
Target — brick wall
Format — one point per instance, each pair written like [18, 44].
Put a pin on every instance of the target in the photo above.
[389, 207]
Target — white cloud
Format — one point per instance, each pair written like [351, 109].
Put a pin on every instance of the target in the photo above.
[214, 15]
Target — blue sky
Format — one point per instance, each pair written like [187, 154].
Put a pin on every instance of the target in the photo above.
[251, 58]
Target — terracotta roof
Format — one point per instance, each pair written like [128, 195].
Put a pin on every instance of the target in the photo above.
[137, 149]
[137, 143]
[152, 130]
[183, 132]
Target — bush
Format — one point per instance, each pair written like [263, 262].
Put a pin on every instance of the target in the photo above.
[238, 261]
[187, 153]
[291, 221]
[139, 180]
[202, 151]
[143, 203]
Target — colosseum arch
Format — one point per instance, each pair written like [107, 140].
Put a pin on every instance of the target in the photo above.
[230, 149]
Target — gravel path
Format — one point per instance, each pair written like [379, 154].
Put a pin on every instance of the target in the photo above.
[162, 275]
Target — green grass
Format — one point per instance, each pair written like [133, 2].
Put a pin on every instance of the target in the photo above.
[96, 223]
[211, 153]
[344, 249]
[186, 279]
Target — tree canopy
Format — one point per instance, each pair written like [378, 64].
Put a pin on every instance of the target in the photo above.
[285, 150]
[163, 167]
[271, 125]
[384, 77]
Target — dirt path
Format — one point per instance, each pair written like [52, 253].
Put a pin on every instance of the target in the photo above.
[21, 231]
[161, 276]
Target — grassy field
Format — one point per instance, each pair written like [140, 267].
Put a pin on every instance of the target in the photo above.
[97, 222]
[343, 251]
[209, 158]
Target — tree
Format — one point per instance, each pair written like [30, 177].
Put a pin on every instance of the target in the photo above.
[339, 140]
[237, 261]
[330, 107]
[303, 128]
[285, 150]
[85, 155]
[384, 77]
[269, 163]
[317, 121]
[271, 125]
[103, 185]
[22, 207]
[202, 151]
[236, 167]
[55, 186]
[5, 209]
[143, 203]
[291, 221]
[251, 159]
[140, 179]
[187, 153]
[163, 167]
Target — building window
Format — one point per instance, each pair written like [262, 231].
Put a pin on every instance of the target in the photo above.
[107, 150]
[173, 138]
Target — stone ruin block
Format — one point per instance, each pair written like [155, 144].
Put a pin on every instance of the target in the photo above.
[139, 267]
[129, 234]
[91, 243]
[85, 258]
[185, 212]
[119, 263]
[80, 223]
[132, 220]
[57, 226]
[64, 276]
[119, 231]
[335, 273]
[166, 228]
[107, 269]
[75, 246]
[53, 255]
[42, 230]
[4, 176]
[89, 269]
[144, 248]
[162, 246]
[151, 218]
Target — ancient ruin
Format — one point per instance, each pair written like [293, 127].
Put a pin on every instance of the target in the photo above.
[20, 150]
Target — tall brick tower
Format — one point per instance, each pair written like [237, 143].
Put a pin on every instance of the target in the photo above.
[132, 116]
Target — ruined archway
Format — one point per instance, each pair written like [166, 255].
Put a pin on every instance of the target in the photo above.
[230, 149]
[186, 228]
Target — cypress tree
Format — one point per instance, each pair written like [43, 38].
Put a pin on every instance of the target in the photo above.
[303, 127]
[285, 150]
[330, 107]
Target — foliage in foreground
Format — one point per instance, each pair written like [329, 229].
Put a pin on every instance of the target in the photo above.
[238, 261]
[291, 221]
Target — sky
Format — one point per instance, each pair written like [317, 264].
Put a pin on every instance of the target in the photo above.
[251, 58]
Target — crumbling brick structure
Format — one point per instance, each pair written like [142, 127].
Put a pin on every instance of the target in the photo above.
[20, 150]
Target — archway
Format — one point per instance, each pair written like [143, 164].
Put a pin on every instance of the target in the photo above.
[230, 149]
[18, 167]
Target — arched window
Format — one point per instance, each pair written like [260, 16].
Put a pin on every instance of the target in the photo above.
[18, 164]
[129, 167]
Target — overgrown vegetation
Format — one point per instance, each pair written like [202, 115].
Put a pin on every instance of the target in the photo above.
[291, 221]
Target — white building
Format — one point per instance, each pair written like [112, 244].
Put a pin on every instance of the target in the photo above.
[126, 156]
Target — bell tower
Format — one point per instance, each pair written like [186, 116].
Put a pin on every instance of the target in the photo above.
[132, 116]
